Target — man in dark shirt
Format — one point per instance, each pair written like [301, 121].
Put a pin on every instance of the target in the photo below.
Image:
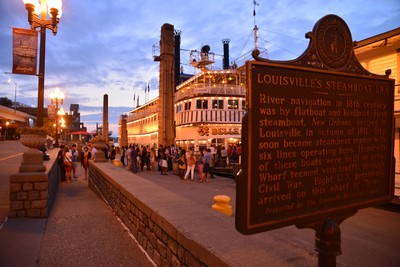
[60, 162]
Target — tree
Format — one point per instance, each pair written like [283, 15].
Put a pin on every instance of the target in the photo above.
[4, 101]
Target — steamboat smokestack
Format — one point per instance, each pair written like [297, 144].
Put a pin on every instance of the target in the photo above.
[166, 130]
[177, 57]
[226, 54]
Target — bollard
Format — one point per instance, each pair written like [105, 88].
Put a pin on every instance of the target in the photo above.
[222, 204]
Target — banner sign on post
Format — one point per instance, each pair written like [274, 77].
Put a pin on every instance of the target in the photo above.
[25, 44]
[51, 112]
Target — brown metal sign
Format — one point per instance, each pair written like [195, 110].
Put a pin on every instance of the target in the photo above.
[317, 144]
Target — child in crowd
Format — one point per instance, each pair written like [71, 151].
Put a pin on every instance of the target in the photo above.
[164, 164]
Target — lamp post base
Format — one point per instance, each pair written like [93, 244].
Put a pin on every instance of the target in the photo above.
[32, 161]
[100, 156]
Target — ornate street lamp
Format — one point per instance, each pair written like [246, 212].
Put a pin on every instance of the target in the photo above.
[62, 126]
[57, 97]
[61, 112]
[35, 9]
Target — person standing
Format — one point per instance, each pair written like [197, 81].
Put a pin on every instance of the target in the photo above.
[164, 163]
[133, 160]
[79, 148]
[234, 158]
[174, 159]
[224, 156]
[182, 163]
[152, 158]
[200, 165]
[144, 159]
[60, 162]
[123, 150]
[207, 162]
[148, 158]
[191, 164]
[74, 155]
[106, 150]
[67, 158]
[138, 159]
[160, 153]
[112, 153]
[92, 150]
[85, 157]
[169, 157]
[128, 157]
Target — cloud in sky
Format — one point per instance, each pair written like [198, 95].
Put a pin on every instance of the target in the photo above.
[105, 47]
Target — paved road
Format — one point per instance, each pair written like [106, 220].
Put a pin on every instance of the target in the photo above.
[10, 160]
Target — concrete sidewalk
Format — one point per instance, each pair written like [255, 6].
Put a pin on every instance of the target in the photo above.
[369, 238]
[81, 231]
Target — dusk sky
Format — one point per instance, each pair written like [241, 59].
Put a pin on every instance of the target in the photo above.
[105, 47]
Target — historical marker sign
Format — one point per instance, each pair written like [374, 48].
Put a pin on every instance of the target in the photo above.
[317, 143]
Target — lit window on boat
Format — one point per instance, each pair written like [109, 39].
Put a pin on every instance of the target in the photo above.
[233, 104]
[217, 104]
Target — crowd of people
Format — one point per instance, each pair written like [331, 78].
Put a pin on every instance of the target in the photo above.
[69, 157]
[165, 159]
[178, 161]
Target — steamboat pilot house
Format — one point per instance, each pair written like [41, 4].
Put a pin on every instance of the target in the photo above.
[209, 106]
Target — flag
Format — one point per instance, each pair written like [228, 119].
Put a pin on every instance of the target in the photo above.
[148, 87]
[254, 10]
[25, 43]
[134, 97]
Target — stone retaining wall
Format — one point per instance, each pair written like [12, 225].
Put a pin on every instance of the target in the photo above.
[32, 193]
[162, 241]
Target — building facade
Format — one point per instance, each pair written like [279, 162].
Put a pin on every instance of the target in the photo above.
[378, 54]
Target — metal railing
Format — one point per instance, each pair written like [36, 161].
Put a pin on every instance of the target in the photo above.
[142, 114]
[209, 116]
[220, 90]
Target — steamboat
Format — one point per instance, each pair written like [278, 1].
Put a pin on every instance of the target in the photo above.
[208, 108]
